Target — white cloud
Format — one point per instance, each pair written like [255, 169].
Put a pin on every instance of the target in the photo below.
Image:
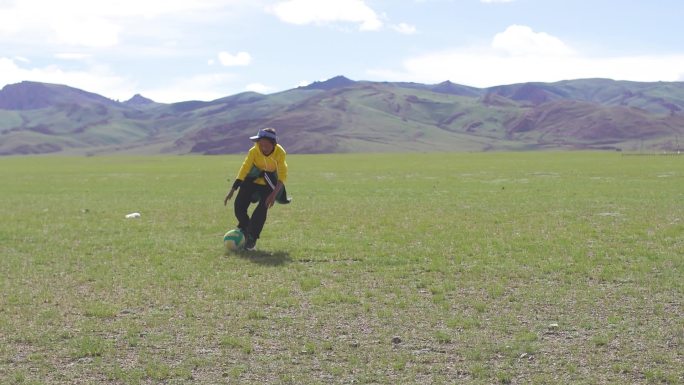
[519, 40]
[317, 12]
[520, 55]
[98, 79]
[7, 68]
[91, 23]
[405, 29]
[92, 32]
[70, 22]
[72, 56]
[260, 88]
[205, 87]
[42, 9]
[496, 1]
[239, 59]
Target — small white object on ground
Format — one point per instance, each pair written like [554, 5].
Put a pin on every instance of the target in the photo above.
[133, 215]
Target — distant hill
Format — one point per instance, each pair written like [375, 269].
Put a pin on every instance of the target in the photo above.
[33, 95]
[139, 101]
[330, 84]
[342, 115]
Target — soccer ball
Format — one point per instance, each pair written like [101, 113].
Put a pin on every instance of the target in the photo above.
[234, 240]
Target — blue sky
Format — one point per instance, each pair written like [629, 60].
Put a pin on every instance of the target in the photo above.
[178, 50]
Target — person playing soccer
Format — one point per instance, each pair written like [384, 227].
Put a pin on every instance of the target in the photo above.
[261, 179]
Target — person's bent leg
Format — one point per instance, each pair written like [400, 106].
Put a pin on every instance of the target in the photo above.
[258, 219]
[256, 223]
[241, 205]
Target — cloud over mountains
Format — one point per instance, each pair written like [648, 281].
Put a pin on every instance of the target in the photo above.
[157, 47]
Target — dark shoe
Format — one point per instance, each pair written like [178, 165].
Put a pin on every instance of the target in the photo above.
[250, 243]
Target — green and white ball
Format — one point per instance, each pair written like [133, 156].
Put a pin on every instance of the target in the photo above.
[234, 240]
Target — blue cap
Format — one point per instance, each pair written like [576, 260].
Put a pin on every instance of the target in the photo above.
[264, 134]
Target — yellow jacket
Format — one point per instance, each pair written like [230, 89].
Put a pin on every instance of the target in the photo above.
[273, 162]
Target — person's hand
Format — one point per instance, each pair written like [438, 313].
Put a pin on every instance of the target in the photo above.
[270, 199]
[228, 196]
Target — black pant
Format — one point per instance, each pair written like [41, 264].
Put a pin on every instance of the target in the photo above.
[251, 226]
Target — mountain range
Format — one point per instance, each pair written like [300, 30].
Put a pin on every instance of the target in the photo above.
[342, 115]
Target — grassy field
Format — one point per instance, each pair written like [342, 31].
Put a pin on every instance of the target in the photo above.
[513, 268]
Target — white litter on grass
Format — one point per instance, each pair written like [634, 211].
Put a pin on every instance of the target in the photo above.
[132, 215]
[607, 214]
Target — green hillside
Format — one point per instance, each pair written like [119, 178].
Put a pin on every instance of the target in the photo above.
[341, 115]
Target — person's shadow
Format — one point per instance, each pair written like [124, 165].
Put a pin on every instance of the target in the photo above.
[268, 258]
